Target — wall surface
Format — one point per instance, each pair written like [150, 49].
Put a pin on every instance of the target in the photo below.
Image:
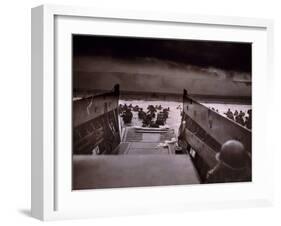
[16, 104]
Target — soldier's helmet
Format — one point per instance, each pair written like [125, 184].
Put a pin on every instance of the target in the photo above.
[233, 155]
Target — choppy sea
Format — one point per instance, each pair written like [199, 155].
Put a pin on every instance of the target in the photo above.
[174, 118]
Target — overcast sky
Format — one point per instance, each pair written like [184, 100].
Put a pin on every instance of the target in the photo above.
[224, 55]
[162, 66]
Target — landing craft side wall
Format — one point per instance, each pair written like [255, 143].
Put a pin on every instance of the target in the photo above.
[205, 131]
[92, 107]
[95, 124]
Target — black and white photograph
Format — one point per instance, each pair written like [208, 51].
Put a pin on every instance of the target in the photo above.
[159, 112]
[134, 113]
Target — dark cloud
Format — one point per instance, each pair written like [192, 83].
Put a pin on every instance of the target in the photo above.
[225, 55]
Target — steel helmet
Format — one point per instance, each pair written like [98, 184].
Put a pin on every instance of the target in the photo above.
[233, 154]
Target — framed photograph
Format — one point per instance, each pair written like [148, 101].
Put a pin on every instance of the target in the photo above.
[137, 112]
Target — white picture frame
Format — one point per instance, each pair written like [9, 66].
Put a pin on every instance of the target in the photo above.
[52, 197]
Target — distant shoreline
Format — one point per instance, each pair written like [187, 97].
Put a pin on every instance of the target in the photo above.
[129, 95]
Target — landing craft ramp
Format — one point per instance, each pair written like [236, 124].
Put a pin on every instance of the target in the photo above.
[139, 140]
[137, 161]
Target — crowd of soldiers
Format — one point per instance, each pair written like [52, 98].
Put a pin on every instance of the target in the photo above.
[241, 117]
[154, 116]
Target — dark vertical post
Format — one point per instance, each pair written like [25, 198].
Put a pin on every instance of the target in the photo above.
[116, 112]
[117, 90]
[185, 95]
[184, 92]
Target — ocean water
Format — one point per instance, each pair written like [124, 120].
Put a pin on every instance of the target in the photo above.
[224, 107]
[174, 118]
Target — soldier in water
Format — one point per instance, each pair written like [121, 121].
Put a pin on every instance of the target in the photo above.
[239, 119]
[127, 116]
[233, 164]
[147, 120]
[229, 114]
[141, 114]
